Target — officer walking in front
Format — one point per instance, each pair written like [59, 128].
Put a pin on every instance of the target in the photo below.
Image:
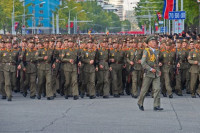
[152, 73]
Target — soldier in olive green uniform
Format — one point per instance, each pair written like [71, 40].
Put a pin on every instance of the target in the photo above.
[167, 58]
[137, 70]
[57, 55]
[184, 66]
[150, 63]
[54, 72]
[2, 81]
[117, 61]
[178, 87]
[194, 60]
[44, 58]
[88, 60]
[103, 70]
[69, 60]
[10, 61]
[30, 69]
[22, 55]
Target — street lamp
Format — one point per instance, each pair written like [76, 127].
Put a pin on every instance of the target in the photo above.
[57, 21]
[69, 19]
[13, 18]
[75, 26]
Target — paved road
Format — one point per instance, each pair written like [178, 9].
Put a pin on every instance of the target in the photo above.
[24, 115]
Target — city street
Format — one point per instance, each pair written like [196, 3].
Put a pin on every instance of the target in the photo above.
[23, 115]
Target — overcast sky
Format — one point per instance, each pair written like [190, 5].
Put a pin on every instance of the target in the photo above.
[128, 5]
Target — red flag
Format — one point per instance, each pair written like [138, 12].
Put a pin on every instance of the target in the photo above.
[16, 25]
[169, 5]
[71, 24]
[159, 16]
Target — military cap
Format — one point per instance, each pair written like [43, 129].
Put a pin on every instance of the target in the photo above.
[197, 41]
[128, 38]
[131, 41]
[89, 40]
[105, 40]
[1, 40]
[140, 40]
[135, 40]
[150, 38]
[24, 40]
[163, 41]
[31, 40]
[185, 40]
[191, 41]
[124, 40]
[15, 42]
[178, 41]
[52, 39]
[59, 40]
[39, 41]
[168, 43]
[8, 40]
[70, 40]
[114, 41]
[46, 40]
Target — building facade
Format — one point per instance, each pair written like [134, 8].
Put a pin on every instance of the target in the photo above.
[40, 15]
[119, 4]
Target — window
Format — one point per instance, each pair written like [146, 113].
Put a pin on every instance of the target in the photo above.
[41, 18]
[41, 12]
[41, 5]
[40, 24]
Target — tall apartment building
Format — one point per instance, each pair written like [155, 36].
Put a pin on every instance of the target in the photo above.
[41, 19]
[119, 5]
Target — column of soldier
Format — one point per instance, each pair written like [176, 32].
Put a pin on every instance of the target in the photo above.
[99, 65]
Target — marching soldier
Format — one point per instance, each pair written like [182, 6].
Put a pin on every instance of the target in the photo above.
[167, 58]
[150, 63]
[194, 60]
[88, 59]
[30, 69]
[2, 81]
[45, 65]
[184, 66]
[10, 62]
[117, 61]
[69, 60]
[103, 70]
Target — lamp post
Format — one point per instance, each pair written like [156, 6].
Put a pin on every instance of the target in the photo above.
[75, 26]
[57, 20]
[69, 19]
[13, 18]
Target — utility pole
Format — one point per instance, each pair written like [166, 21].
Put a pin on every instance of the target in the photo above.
[13, 18]
[53, 23]
[57, 24]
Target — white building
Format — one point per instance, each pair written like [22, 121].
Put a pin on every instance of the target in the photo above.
[119, 4]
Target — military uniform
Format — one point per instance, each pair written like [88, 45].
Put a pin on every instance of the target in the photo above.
[150, 60]
[116, 73]
[10, 62]
[194, 56]
[103, 73]
[184, 66]
[70, 71]
[89, 70]
[45, 71]
[30, 71]
[167, 58]
[2, 81]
